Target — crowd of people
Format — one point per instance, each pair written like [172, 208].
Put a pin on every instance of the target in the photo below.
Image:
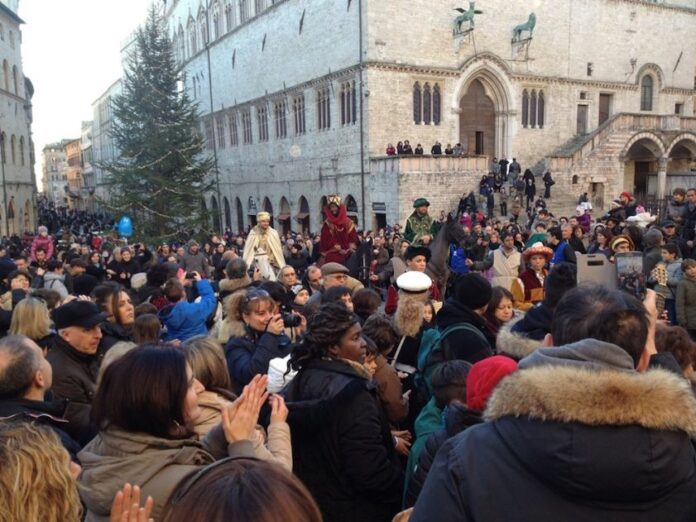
[464, 367]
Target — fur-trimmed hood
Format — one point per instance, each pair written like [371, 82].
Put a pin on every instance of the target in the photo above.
[656, 399]
[232, 285]
[514, 344]
[589, 426]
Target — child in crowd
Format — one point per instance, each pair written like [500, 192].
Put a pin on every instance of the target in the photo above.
[667, 274]
[429, 314]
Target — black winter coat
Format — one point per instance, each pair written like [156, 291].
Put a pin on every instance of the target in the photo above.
[461, 344]
[113, 333]
[571, 444]
[48, 414]
[457, 418]
[75, 379]
[343, 450]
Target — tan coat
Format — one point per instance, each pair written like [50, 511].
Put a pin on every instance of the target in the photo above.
[389, 391]
[276, 448]
[157, 465]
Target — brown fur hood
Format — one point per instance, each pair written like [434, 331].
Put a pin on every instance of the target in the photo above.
[657, 399]
[514, 344]
[232, 285]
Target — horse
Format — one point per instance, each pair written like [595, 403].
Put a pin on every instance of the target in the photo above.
[358, 263]
[466, 16]
[262, 262]
[527, 26]
[437, 269]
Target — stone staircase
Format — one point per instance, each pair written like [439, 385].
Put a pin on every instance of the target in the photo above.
[594, 164]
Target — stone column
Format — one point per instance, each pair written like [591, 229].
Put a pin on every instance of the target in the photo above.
[661, 177]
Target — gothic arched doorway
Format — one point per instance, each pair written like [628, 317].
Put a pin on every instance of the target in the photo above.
[477, 121]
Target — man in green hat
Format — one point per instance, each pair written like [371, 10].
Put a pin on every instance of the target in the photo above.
[420, 227]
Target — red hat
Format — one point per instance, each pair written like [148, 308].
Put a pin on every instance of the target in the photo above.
[483, 377]
[626, 195]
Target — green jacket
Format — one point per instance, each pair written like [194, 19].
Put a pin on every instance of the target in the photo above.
[418, 226]
[429, 421]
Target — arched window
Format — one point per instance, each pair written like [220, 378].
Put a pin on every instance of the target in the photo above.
[229, 16]
[436, 105]
[525, 108]
[6, 74]
[3, 139]
[13, 149]
[228, 214]
[540, 110]
[259, 6]
[14, 79]
[417, 118]
[202, 27]
[646, 93]
[193, 40]
[243, 11]
[181, 43]
[21, 150]
[216, 21]
[427, 100]
[533, 110]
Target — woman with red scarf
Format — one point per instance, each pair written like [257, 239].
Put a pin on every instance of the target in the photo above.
[339, 238]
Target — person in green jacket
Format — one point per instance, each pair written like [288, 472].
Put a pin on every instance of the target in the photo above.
[420, 227]
[448, 382]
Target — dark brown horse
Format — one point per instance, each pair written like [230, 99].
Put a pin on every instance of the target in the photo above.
[438, 269]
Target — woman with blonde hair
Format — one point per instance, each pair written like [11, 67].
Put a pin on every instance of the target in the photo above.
[37, 481]
[209, 367]
[232, 325]
[32, 319]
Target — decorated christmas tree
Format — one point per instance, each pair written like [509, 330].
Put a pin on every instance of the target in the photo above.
[161, 175]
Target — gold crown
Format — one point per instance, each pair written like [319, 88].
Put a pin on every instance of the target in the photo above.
[334, 198]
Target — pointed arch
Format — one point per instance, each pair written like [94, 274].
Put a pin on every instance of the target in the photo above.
[525, 109]
[228, 213]
[13, 149]
[284, 215]
[15, 83]
[646, 93]
[6, 74]
[417, 114]
[437, 105]
[215, 211]
[239, 210]
[352, 208]
[21, 151]
[533, 109]
[427, 105]
[541, 110]
[493, 75]
[302, 216]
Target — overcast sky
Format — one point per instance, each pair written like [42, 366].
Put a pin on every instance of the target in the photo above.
[70, 50]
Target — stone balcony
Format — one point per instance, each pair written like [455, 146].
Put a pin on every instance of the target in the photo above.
[396, 181]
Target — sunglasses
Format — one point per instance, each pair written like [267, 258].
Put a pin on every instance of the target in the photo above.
[256, 294]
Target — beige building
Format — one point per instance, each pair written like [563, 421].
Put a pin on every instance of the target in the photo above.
[17, 183]
[54, 177]
[75, 182]
[300, 99]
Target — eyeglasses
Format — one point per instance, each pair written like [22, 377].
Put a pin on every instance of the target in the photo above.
[256, 294]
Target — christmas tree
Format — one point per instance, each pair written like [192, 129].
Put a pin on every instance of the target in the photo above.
[161, 175]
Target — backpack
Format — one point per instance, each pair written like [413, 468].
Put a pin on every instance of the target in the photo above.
[431, 354]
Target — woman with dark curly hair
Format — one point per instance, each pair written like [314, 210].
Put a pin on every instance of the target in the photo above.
[344, 451]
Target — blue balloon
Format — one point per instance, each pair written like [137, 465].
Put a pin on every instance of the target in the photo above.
[125, 227]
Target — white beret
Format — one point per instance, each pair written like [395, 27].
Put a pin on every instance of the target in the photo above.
[413, 281]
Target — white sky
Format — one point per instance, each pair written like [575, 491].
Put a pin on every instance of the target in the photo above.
[70, 51]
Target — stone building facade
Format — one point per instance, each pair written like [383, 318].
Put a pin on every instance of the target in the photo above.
[104, 149]
[18, 186]
[300, 98]
[54, 177]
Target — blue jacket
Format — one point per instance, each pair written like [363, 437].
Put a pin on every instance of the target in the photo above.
[250, 355]
[184, 320]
